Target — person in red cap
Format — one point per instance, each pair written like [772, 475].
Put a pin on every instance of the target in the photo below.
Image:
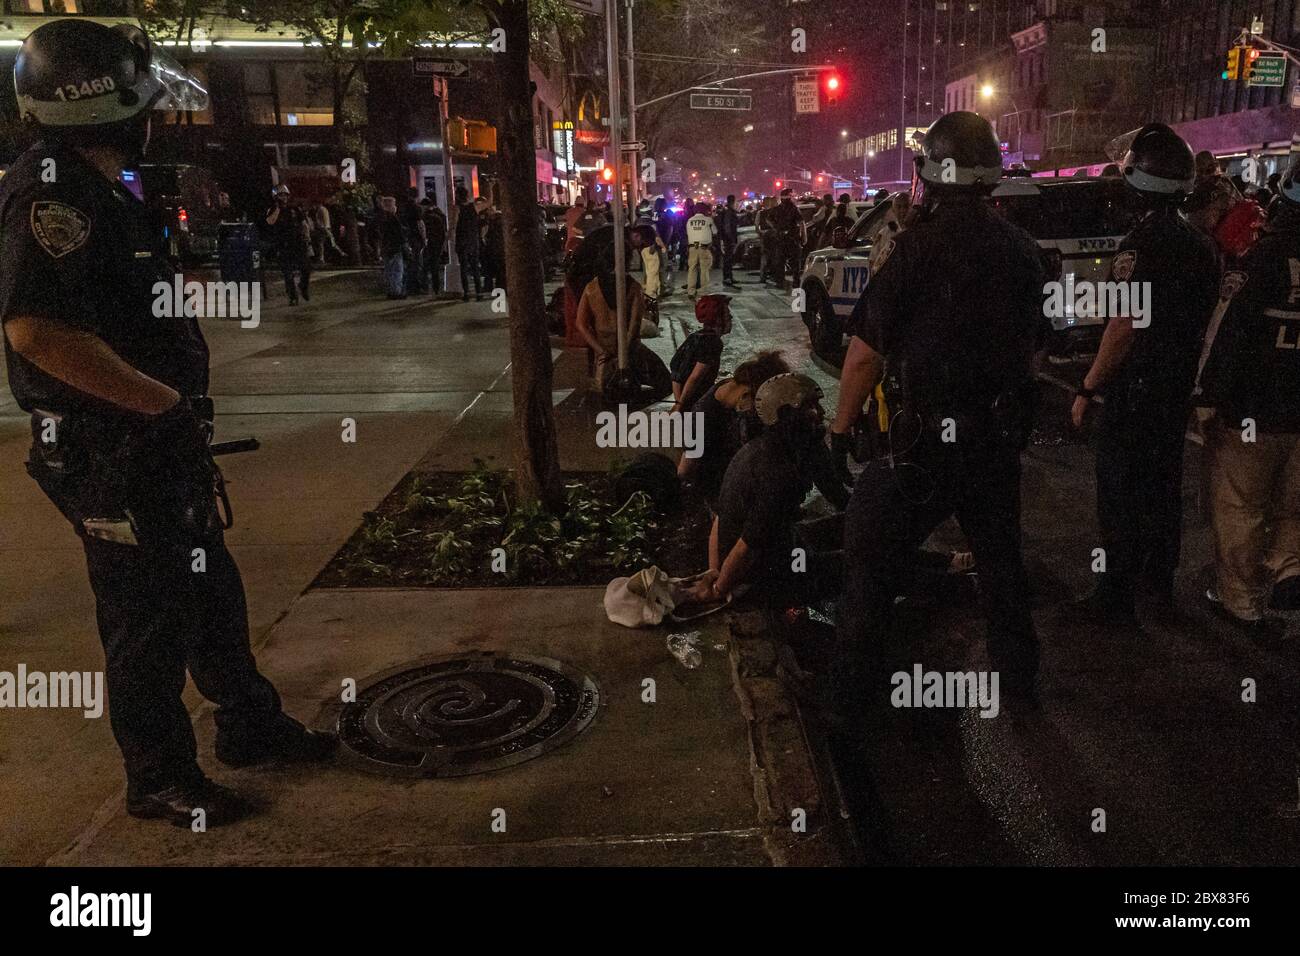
[696, 362]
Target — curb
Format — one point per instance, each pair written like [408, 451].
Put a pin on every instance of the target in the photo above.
[781, 758]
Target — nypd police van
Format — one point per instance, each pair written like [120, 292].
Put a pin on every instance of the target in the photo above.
[1078, 222]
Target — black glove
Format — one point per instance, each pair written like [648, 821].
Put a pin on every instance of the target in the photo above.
[841, 449]
[174, 497]
[182, 431]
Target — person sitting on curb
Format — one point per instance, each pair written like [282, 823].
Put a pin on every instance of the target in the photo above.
[696, 362]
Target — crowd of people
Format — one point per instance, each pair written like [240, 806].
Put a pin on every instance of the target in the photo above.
[406, 236]
[1221, 350]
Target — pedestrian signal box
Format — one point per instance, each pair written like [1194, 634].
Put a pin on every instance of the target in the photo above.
[473, 136]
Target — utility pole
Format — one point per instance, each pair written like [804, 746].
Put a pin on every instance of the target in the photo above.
[441, 87]
[616, 140]
[634, 184]
[902, 106]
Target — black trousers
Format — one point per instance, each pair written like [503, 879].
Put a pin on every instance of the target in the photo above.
[789, 253]
[414, 271]
[728, 260]
[469, 266]
[891, 512]
[301, 266]
[1140, 496]
[433, 268]
[157, 619]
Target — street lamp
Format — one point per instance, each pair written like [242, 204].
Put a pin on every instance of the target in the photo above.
[987, 91]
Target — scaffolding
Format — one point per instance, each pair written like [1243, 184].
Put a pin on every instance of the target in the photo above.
[1078, 137]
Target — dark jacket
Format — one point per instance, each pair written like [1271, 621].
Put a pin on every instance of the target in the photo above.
[467, 228]
[1254, 366]
[392, 234]
[435, 229]
[728, 222]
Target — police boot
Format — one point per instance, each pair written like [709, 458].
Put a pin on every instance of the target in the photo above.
[1286, 595]
[180, 804]
[283, 741]
[1269, 633]
[1099, 609]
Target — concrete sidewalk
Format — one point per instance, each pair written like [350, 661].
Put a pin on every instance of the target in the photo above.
[426, 384]
[647, 783]
[297, 500]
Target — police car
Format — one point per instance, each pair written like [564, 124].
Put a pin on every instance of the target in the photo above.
[1078, 223]
[749, 247]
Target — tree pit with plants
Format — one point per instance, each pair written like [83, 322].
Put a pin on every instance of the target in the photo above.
[443, 529]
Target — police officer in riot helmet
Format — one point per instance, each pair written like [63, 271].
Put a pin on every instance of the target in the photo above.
[120, 422]
[956, 309]
[1168, 272]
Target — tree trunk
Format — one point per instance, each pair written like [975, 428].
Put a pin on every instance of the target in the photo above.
[536, 452]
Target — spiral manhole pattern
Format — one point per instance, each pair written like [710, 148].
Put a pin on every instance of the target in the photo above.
[468, 714]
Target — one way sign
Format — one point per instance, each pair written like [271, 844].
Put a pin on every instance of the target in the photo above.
[431, 66]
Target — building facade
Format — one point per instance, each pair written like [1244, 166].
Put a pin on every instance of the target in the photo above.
[275, 116]
[1227, 117]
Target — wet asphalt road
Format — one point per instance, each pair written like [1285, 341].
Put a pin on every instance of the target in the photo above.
[1175, 744]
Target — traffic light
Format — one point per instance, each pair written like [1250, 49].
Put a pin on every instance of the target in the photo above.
[833, 86]
[1234, 63]
[607, 174]
[1248, 68]
[778, 184]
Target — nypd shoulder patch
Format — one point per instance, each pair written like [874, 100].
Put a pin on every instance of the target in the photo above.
[58, 227]
[1233, 282]
[1122, 268]
[886, 250]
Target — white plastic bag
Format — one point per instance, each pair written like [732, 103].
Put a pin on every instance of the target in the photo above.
[643, 600]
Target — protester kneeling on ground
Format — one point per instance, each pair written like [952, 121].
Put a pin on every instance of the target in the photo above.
[597, 324]
[695, 364]
[728, 420]
[753, 535]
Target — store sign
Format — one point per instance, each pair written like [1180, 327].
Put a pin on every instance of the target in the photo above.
[562, 145]
[593, 137]
[806, 97]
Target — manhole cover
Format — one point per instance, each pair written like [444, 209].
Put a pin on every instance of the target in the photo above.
[455, 716]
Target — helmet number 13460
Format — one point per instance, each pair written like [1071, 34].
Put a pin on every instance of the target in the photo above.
[70, 91]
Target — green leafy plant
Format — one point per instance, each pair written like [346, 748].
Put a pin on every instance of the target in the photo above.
[451, 555]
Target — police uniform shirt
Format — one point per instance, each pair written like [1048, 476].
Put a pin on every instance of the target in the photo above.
[83, 251]
[1176, 268]
[785, 218]
[700, 230]
[957, 305]
[1254, 367]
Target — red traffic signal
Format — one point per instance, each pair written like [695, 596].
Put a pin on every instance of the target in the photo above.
[833, 87]
[607, 174]
[778, 184]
